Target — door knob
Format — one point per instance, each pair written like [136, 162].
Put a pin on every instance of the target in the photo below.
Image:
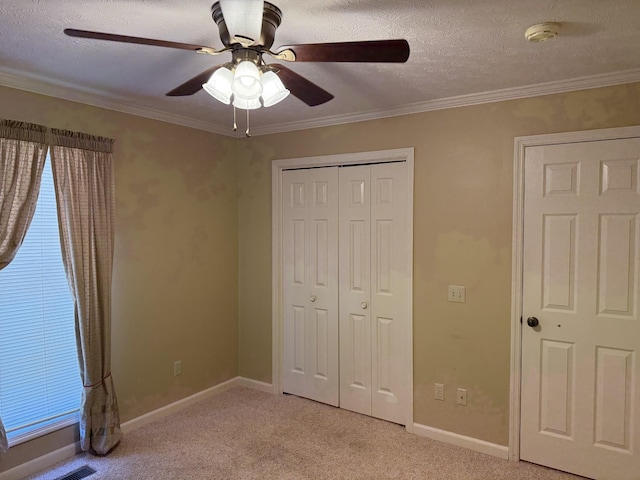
[364, 305]
[313, 298]
[533, 322]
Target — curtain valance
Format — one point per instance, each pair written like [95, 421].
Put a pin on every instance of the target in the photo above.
[30, 132]
[83, 141]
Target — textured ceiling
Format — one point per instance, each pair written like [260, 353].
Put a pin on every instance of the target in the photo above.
[458, 47]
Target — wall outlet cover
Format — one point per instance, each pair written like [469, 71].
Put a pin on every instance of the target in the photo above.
[438, 392]
[461, 397]
[456, 293]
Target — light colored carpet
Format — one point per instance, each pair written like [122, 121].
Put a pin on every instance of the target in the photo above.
[247, 434]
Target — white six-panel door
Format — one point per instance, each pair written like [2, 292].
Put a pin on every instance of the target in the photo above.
[374, 275]
[580, 397]
[310, 280]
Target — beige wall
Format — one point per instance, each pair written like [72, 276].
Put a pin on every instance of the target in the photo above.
[192, 272]
[462, 235]
[176, 253]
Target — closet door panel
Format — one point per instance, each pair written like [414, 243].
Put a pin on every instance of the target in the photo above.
[294, 273]
[322, 322]
[389, 282]
[355, 279]
[310, 278]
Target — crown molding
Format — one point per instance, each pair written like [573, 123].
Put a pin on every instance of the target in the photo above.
[66, 91]
[514, 93]
[95, 98]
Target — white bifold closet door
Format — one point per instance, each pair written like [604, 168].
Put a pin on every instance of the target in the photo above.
[310, 281]
[346, 279]
[373, 289]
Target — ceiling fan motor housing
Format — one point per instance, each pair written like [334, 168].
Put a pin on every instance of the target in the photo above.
[271, 18]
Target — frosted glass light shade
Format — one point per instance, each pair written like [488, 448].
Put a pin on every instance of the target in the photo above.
[243, 17]
[246, 81]
[219, 85]
[273, 90]
[246, 104]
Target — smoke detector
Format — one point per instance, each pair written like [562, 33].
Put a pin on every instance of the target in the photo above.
[541, 32]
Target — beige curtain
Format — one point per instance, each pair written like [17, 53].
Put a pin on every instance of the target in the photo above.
[22, 154]
[83, 177]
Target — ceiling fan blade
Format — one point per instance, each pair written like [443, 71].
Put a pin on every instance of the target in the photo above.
[193, 85]
[72, 32]
[300, 87]
[383, 51]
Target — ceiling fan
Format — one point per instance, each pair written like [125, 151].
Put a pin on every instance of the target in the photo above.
[247, 30]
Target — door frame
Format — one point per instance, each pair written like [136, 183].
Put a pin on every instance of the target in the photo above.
[520, 146]
[360, 158]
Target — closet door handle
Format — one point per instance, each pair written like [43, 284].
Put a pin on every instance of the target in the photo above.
[364, 305]
[313, 298]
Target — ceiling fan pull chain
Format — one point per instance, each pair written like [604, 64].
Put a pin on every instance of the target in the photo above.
[235, 124]
[247, 132]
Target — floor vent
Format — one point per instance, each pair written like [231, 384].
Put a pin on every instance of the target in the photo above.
[82, 472]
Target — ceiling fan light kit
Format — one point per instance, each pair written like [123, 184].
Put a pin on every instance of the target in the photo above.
[219, 85]
[246, 81]
[273, 90]
[246, 84]
[246, 103]
[247, 29]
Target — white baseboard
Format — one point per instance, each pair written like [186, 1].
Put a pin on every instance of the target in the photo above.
[255, 384]
[41, 463]
[471, 443]
[188, 401]
[174, 407]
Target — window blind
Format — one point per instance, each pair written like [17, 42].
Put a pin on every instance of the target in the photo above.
[40, 383]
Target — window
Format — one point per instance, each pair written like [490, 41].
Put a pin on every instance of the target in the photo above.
[40, 385]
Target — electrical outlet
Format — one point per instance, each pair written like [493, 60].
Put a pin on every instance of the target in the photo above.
[438, 393]
[456, 293]
[177, 368]
[461, 397]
